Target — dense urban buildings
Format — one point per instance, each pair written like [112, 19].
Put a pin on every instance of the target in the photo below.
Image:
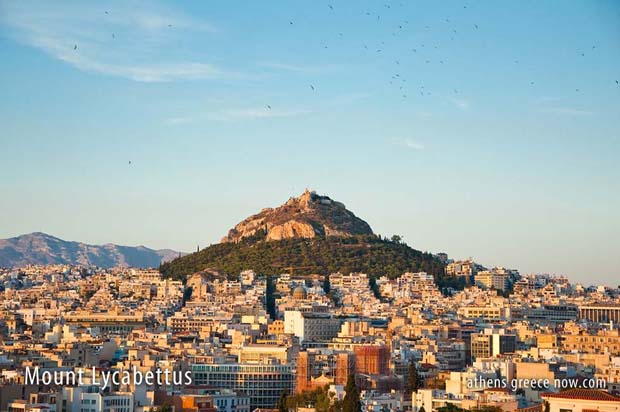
[506, 341]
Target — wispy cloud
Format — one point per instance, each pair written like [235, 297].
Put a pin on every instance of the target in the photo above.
[254, 113]
[461, 103]
[570, 111]
[177, 120]
[116, 39]
[412, 144]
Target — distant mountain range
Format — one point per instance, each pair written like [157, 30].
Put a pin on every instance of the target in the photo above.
[43, 249]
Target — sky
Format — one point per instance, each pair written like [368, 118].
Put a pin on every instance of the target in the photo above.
[481, 129]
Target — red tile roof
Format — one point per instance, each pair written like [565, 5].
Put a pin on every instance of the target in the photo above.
[582, 394]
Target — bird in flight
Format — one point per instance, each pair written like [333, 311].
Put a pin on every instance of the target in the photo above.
[312, 87]
[106, 12]
[75, 47]
[130, 162]
[269, 107]
[331, 7]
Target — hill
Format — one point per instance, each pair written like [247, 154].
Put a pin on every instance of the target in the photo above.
[43, 249]
[312, 234]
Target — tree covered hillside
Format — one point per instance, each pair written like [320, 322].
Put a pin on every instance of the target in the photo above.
[366, 253]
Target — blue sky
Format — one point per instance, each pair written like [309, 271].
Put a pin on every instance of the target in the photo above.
[483, 129]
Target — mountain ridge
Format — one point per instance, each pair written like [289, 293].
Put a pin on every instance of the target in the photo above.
[40, 248]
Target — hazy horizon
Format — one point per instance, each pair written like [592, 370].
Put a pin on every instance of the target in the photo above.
[472, 128]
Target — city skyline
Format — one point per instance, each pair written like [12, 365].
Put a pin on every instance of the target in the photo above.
[166, 126]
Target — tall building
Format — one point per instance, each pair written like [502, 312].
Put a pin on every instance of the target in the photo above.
[262, 382]
[372, 359]
[490, 344]
[489, 279]
[311, 326]
[304, 375]
[345, 366]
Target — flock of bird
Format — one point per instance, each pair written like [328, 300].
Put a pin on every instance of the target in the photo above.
[396, 79]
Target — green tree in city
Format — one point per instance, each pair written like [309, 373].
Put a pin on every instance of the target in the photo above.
[414, 380]
[372, 283]
[282, 403]
[450, 407]
[166, 407]
[327, 287]
[351, 401]
[270, 299]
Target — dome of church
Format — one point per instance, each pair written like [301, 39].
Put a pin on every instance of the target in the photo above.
[300, 293]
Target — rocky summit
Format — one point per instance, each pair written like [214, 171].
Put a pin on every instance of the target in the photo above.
[307, 216]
